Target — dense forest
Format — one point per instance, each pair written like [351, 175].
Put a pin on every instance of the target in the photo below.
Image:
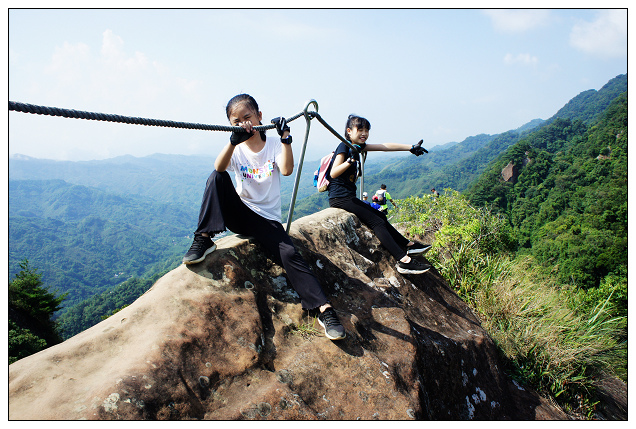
[538, 247]
[568, 199]
[84, 240]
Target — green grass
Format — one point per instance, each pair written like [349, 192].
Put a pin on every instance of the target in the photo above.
[552, 346]
[554, 337]
[306, 329]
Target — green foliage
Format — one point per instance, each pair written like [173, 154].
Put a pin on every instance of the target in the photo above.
[555, 346]
[27, 294]
[556, 338]
[307, 329]
[467, 240]
[612, 292]
[22, 342]
[31, 307]
[569, 202]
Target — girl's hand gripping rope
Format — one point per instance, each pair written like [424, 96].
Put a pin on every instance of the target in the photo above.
[281, 125]
[417, 149]
[282, 129]
[241, 136]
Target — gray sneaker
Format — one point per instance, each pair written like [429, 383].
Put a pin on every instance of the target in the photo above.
[413, 267]
[328, 319]
[201, 247]
[418, 248]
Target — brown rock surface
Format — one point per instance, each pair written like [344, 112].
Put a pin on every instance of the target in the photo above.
[227, 339]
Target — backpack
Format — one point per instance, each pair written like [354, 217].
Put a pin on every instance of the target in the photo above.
[379, 197]
[320, 176]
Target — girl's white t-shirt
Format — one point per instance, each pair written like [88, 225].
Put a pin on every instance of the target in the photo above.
[257, 177]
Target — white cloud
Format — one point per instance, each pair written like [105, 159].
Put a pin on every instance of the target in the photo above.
[523, 59]
[110, 77]
[106, 78]
[605, 37]
[517, 21]
[68, 61]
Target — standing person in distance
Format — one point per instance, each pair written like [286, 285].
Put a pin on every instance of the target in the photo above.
[343, 174]
[382, 197]
[254, 207]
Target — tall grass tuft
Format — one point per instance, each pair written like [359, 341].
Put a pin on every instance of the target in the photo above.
[552, 342]
[552, 346]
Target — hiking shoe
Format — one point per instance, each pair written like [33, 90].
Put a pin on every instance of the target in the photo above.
[418, 248]
[413, 267]
[201, 246]
[328, 319]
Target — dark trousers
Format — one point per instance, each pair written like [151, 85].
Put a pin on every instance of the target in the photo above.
[377, 221]
[222, 208]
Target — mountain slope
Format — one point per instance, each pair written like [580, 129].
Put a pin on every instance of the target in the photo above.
[568, 198]
[459, 166]
[84, 240]
[145, 203]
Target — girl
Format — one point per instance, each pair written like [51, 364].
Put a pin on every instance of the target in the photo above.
[254, 208]
[342, 178]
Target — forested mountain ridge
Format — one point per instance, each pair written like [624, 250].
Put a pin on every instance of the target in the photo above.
[568, 198]
[458, 165]
[589, 105]
[84, 240]
[458, 170]
[413, 174]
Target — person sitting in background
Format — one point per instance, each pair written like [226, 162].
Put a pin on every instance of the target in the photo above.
[365, 199]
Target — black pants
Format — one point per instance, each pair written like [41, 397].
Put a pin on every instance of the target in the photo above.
[222, 208]
[377, 221]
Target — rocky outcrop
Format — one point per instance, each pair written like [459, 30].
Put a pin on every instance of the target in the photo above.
[510, 173]
[227, 339]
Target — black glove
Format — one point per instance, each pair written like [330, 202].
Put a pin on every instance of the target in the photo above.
[417, 149]
[239, 137]
[281, 125]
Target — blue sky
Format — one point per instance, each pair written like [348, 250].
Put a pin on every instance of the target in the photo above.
[439, 75]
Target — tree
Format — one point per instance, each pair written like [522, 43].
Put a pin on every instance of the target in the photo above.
[31, 307]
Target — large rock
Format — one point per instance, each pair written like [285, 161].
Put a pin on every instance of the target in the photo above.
[227, 339]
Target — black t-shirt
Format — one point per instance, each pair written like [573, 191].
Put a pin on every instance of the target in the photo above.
[344, 185]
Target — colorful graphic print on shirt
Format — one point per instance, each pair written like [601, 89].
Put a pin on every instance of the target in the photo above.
[258, 173]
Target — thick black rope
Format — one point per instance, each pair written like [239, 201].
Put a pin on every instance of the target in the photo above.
[78, 114]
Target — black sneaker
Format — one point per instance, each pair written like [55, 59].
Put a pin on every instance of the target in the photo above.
[418, 248]
[413, 267]
[201, 246]
[328, 319]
